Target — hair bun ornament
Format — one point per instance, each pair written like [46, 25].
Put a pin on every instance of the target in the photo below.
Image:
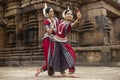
[44, 10]
[63, 13]
[68, 8]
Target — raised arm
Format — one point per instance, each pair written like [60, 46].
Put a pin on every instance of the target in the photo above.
[78, 18]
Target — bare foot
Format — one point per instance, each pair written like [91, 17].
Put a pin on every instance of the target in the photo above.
[39, 70]
[59, 76]
[52, 75]
[73, 76]
[63, 75]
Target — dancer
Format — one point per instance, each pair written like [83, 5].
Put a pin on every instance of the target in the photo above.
[64, 56]
[47, 43]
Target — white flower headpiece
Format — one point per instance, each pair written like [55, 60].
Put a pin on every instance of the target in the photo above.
[44, 10]
[63, 14]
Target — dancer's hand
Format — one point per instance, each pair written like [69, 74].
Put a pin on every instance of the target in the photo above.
[78, 17]
[78, 14]
[52, 23]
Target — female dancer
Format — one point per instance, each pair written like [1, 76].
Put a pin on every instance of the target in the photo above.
[47, 43]
[64, 56]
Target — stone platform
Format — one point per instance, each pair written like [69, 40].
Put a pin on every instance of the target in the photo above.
[84, 73]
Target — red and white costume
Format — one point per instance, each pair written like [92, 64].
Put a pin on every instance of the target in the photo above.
[47, 42]
[64, 56]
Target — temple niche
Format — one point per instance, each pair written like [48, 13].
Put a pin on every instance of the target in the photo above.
[96, 37]
[30, 29]
[10, 32]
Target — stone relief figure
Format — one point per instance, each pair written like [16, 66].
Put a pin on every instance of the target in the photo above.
[103, 25]
[103, 22]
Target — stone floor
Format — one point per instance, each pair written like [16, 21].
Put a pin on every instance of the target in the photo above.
[84, 73]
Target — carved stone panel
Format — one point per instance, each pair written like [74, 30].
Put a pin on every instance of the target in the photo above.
[25, 3]
[94, 57]
[103, 27]
[11, 8]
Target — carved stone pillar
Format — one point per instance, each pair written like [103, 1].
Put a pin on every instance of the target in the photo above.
[2, 28]
[2, 36]
[116, 30]
[18, 30]
[41, 29]
[1, 11]
[73, 37]
[10, 32]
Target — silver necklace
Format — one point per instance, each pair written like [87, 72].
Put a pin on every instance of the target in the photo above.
[62, 27]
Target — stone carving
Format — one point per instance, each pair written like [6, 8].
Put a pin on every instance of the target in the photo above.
[102, 22]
